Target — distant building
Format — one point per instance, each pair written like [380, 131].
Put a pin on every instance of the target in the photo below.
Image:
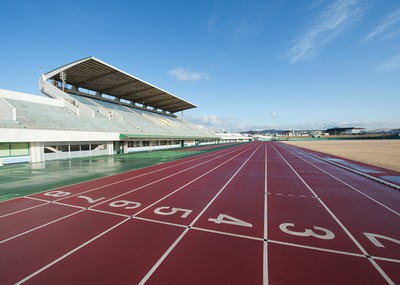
[344, 131]
[226, 137]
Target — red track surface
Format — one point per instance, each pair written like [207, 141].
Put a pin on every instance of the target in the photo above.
[260, 213]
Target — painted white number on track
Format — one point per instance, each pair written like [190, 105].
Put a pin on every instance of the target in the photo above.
[159, 211]
[57, 194]
[91, 200]
[225, 219]
[126, 204]
[308, 233]
[374, 239]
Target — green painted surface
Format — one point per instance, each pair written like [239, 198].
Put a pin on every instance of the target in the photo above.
[149, 136]
[23, 179]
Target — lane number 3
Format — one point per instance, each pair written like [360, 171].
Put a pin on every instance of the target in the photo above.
[326, 234]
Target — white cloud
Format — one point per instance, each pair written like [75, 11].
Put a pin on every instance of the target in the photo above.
[385, 28]
[316, 4]
[217, 123]
[274, 114]
[212, 23]
[390, 64]
[245, 29]
[188, 75]
[229, 124]
[330, 23]
[369, 125]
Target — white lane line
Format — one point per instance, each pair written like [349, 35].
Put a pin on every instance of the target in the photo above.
[265, 244]
[105, 232]
[317, 248]
[164, 256]
[169, 176]
[291, 195]
[228, 150]
[25, 209]
[110, 213]
[377, 267]
[386, 259]
[269, 241]
[11, 199]
[36, 199]
[80, 207]
[272, 241]
[387, 183]
[166, 253]
[380, 270]
[68, 205]
[223, 188]
[348, 185]
[70, 252]
[198, 229]
[41, 226]
[227, 234]
[187, 184]
[159, 222]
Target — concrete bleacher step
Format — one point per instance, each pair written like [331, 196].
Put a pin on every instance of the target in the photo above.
[11, 124]
[124, 119]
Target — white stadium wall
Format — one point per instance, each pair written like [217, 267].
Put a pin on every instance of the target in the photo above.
[39, 139]
[87, 108]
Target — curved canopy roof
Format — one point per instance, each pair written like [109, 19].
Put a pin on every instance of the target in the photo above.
[93, 74]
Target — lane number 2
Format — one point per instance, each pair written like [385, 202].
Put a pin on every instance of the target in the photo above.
[374, 239]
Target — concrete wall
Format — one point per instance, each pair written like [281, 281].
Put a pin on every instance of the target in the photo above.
[8, 112]
[31, 135]
[30, 98]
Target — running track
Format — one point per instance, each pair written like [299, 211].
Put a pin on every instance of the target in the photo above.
[259, 213]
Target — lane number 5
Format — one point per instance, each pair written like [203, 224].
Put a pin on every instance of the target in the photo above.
[165, 211]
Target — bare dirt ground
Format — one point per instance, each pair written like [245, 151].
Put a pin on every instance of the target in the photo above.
[383, 153]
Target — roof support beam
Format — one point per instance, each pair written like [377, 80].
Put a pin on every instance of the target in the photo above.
[100, 77]
[94, 78]
[171, 105]
[140, 99]
[116, 86]
[160, 100]
[137, 91]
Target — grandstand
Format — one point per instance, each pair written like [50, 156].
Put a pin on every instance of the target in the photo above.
[92, 108]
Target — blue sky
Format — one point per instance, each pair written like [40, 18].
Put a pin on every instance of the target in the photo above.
[246, 64]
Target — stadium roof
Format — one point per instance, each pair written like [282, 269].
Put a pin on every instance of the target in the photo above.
[93, 74]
